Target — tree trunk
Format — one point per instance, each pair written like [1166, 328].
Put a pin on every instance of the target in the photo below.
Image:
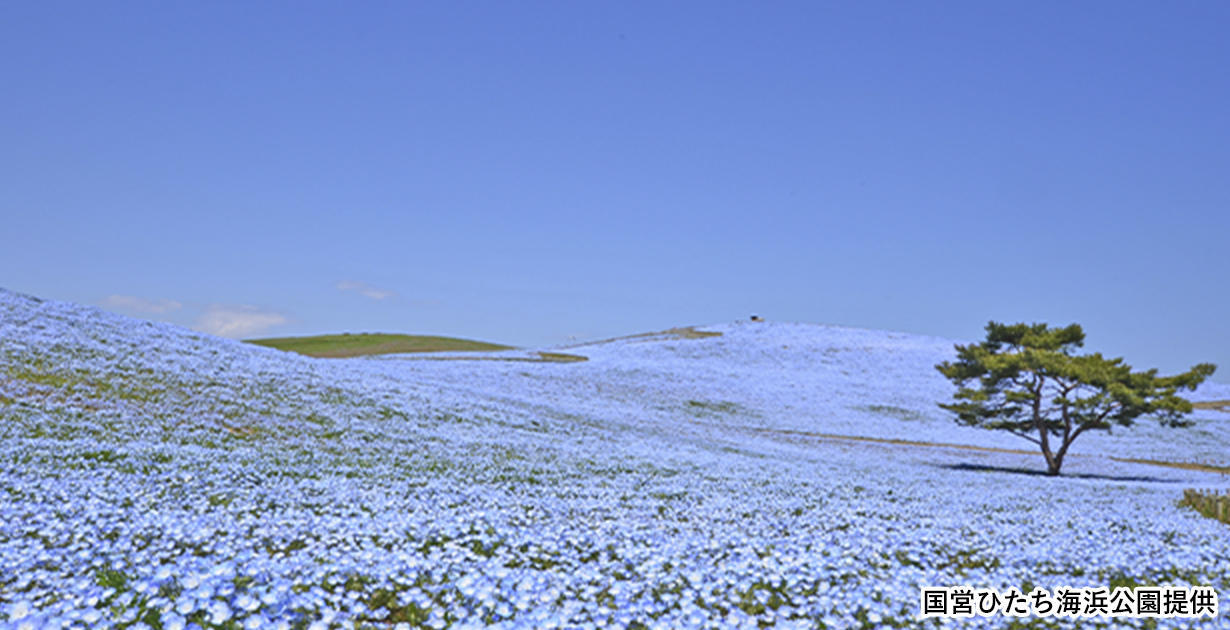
[1055, 462]
[1052, 462]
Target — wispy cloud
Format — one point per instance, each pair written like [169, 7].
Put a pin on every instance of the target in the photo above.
[135, 304]
[237, 321]
[366, 290]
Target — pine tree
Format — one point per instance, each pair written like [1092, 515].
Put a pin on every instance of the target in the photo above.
[1026, 379]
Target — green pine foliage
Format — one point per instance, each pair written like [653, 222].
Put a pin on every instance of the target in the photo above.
[1027, 379]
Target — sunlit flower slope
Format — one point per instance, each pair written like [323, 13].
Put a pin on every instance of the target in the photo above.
[151, 476]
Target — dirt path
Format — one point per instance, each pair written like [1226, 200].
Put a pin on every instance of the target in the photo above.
[988, 449]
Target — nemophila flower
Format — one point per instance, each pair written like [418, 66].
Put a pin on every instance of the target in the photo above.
[19, 610]
[247, 603]
[173, 621]
[219, 612]
[185, 605]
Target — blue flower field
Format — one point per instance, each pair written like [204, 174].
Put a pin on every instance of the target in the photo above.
[154, 477]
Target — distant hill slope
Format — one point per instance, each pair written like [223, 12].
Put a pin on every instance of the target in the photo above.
[347, 345]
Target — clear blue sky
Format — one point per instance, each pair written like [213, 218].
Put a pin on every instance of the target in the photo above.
[528, 172]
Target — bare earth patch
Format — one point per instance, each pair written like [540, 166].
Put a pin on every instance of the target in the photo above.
[538, 357]
[684, 332]
[987, 449]
[1217, 405]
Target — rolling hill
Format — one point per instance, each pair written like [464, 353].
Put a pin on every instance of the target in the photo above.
[751, 474]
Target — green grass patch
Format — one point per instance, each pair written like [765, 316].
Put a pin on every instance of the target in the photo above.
[717, 407]
[713, 408]
[348, 345]
[561, 357]
[109, 578]
[893, 411]
[82, 383]
[1208, 503]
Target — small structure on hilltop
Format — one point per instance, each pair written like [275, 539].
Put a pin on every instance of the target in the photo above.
[757, 318]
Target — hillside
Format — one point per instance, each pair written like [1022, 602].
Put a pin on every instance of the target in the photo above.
[364, 344]
[683, 480]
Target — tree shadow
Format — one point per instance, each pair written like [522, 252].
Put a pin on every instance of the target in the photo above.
[1042, 473]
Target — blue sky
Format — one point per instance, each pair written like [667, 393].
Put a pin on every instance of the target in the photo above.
[534, 172]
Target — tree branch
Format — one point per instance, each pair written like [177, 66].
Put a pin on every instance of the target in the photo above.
[1030, 438]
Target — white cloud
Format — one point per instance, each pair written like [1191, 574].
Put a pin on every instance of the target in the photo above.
[237, 321]
[140, 305]
[366, 290]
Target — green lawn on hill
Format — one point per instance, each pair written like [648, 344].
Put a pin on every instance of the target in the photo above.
[348, 345]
